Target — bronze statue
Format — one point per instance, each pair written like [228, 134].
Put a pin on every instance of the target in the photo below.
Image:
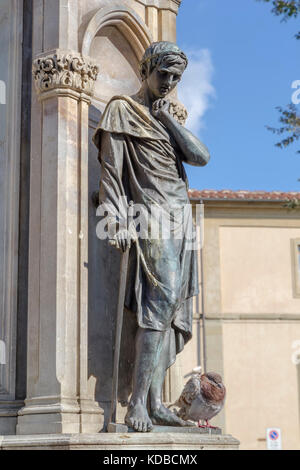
[142, 149]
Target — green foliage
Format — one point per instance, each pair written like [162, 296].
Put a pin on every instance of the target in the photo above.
[289, 118]
[293, 204]
[288, 9]
[290, 121]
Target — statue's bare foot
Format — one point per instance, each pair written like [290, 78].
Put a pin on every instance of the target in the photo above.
[164, 417]
[137, 418]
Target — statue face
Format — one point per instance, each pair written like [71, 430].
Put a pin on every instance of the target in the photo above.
[163, 80]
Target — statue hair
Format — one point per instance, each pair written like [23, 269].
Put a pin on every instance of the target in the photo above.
[161, 54]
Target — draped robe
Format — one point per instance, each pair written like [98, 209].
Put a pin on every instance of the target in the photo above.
[141, 162]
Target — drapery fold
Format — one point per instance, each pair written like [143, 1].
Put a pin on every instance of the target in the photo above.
[141, 162]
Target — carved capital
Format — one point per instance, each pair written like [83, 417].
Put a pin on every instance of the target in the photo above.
[64, 70]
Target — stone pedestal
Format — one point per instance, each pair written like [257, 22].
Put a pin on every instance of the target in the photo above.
[123, 442]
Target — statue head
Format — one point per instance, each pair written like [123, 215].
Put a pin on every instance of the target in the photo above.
[162, 67]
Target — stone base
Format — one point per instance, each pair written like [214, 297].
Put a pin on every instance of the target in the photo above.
[59, 418]
[8, 425]
[124, 442]
[58, 424]
[8, 417]
[55, 423]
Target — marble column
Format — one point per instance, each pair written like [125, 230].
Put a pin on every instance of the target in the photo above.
[11, 36]
[60, 395]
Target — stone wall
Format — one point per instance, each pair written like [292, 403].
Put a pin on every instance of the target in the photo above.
[11, 19]
[56, 319]
[252, 318]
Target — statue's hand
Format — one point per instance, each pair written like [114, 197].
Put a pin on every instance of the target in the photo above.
[160, 108]
[122, 240]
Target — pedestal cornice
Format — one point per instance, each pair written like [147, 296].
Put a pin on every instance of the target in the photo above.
[66, 71]
[124, 442]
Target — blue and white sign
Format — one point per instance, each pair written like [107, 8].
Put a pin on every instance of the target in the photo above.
[274, 439]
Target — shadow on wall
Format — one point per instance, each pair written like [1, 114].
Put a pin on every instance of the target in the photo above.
[104, 274]
[99, 327]
[117, 47]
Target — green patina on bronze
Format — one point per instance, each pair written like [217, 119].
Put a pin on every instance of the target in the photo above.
[141, 150]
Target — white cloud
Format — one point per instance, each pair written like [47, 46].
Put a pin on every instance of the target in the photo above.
[196, 91]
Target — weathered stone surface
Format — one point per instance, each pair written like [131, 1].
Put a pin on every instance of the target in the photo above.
[11, 36]
[122, 428]
[124, 442]
[60, 396]
[64, 69]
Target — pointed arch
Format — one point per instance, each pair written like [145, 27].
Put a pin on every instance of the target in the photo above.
[2, 353]
[126, 20]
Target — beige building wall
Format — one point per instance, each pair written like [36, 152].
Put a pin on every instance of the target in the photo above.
[256, 277]
[262, 381]
[252, 318]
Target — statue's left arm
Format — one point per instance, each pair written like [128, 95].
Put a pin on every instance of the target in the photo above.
[193, 151]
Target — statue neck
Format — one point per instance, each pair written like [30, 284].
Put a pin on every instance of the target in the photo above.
[145, 96]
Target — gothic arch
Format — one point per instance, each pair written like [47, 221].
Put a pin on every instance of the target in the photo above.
[126, 20]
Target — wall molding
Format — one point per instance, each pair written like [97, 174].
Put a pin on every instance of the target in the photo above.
[171, 5]
[253, 317]
[10, 213]
[126, 20]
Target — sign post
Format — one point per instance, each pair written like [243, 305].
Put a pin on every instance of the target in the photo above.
[274, 439]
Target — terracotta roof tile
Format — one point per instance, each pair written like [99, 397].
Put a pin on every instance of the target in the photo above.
[227, 194]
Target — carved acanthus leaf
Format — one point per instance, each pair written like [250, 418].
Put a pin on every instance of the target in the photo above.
[65, 70]
[178, 111]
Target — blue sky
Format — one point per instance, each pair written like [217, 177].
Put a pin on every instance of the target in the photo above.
[243, 61]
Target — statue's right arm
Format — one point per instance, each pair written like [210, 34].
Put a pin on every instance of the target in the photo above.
[112, 194]
[193, 151]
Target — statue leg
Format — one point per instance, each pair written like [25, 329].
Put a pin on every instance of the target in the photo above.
[148, 346]
[159, 414]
